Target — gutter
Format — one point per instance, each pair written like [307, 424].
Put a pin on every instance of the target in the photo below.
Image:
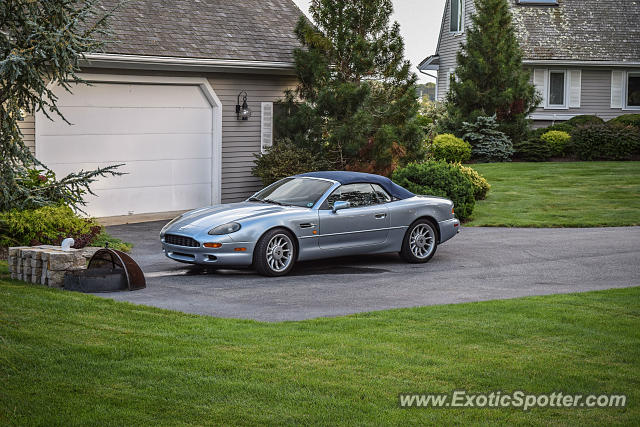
[425, 63]
[427, 74]
[144, 62]
[581, 63]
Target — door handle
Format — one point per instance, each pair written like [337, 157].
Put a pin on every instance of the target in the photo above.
[380, 215]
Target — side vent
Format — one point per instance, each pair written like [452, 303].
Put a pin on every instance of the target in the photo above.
[266, 126]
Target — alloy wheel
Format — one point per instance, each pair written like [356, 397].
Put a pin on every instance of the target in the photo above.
[421, 241]
[279, 252]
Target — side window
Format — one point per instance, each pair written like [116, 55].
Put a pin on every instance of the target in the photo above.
[457, 13]
[358, 195]
[557, 88]
[381, 194]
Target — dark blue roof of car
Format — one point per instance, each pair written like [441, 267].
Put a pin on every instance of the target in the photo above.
[344, 177]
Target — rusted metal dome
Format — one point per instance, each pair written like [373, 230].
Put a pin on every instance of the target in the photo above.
[111, 258]
[109, 270]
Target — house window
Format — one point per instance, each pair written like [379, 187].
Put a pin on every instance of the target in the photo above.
[457, 13]
[557, 89]
[633, 90]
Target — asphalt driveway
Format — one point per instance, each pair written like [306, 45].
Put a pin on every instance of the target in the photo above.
[478, 264]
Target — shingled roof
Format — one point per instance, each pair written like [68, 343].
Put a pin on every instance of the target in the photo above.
[250, 30]
[580, 30]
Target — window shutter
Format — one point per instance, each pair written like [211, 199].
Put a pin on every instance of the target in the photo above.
[266, 126]
[617, 84]
[575, 88]
[540, 83]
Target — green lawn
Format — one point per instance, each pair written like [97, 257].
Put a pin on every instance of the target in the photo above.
[572, 194]
[73, 359]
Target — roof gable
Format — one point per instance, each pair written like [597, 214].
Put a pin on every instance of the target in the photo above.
[249, 30]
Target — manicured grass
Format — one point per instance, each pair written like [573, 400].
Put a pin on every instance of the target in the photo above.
[572, 194]
[73, 359]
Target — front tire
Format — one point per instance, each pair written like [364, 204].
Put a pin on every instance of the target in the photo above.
[420, 242]
[275, 253]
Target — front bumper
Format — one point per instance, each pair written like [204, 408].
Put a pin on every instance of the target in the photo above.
[448, 229]
[229, 254]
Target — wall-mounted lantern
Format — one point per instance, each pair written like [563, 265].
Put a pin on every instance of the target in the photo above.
[243, 112]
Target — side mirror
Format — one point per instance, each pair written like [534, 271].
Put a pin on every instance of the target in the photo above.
[340, 205]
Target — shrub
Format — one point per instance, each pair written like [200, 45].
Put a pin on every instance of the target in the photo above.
[438, 178]
[627, 120]
[557, 141]
[537, 133]
[286, 159]
[488, 144]
[532, 150]
[584, 120]
[47, 225]
[104, 238]
[449, 148]
[606, 142]
[480, 185]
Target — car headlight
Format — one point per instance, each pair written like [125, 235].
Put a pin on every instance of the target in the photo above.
[227, 228]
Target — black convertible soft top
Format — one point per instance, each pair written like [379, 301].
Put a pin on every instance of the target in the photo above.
[344, 177]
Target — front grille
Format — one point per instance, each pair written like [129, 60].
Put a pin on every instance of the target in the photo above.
[174, 239]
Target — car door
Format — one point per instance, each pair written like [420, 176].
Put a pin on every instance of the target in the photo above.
[365, 223]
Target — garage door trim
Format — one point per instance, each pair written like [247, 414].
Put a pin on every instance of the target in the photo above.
[208, 92]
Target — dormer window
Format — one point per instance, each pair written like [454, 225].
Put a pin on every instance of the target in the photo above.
[457, 16]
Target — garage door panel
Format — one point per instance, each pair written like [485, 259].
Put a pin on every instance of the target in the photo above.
[101, 149]
[116, 120]
[110, 202]
[163, 135]
[133, 95]
[141, 174]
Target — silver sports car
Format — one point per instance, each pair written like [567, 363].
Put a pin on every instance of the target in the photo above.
[310, 216]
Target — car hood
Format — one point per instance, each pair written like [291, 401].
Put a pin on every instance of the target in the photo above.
[212, 216]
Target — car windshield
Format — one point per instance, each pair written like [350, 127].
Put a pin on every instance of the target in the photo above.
[303, 192]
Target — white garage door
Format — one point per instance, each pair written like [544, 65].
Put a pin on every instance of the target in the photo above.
[163, 134]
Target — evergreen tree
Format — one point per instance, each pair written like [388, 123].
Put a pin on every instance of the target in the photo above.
[489, 78]
[356, 100]
[40, 44]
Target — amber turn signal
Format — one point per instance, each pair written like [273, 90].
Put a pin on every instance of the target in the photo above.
[452, 210]
[240, 249]
[212, 245]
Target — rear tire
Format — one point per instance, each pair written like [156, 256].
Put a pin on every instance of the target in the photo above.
[420, 242]
[275, 253]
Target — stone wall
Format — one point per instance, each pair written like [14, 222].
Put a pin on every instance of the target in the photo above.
[46, 265]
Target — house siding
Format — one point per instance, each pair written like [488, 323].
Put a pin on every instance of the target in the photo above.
[449, 44]
[596, 81]
[28, 129]
[595, 96]
[240, 139]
